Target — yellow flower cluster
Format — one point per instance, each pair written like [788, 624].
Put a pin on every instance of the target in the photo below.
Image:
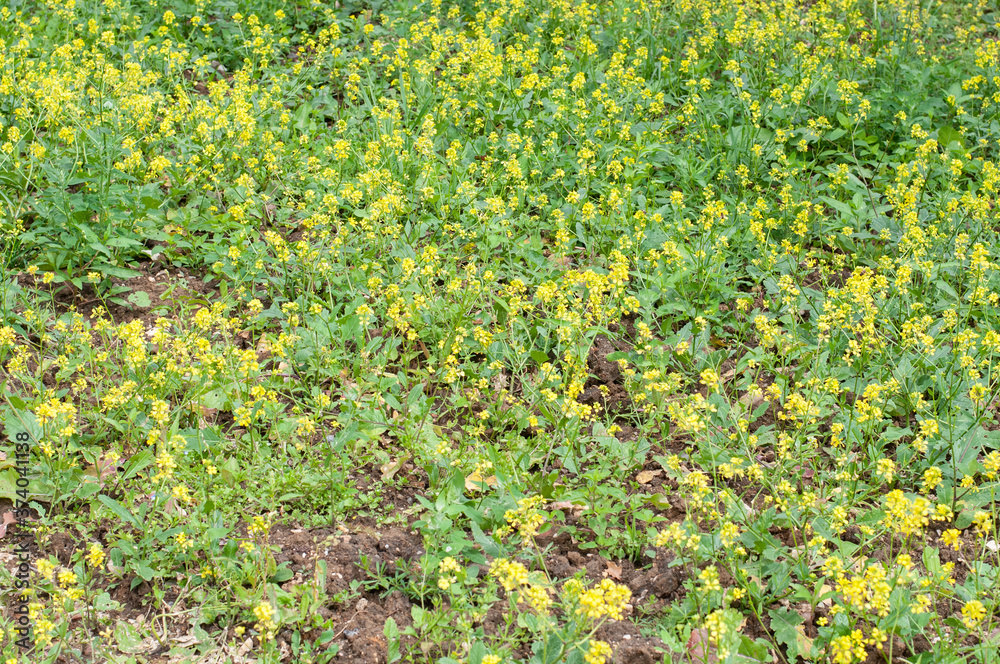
[906, 516]
[510, 574]
[526, 519]
[598, 652]
[606, 599]
[448, 568]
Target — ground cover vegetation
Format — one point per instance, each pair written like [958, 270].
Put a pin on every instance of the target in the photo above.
[494, 331]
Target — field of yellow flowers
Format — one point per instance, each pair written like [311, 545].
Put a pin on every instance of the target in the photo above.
[489, 331]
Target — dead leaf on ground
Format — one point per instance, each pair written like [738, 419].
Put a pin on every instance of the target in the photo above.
[391, 468]
[8, 518]
[567, 506]
[700, 648]
[614, 571]
[474, 481]
[245, 648]
[186, 641]
[804, 642]
[826, 602]
[646, 476]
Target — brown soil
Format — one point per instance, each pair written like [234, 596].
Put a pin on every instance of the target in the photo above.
[614, 398]
[168, 290]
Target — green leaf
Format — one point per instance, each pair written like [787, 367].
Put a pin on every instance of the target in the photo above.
[228, 469]
[490, 547]
[87, 489]
[127, 637]
[140, 299]
[784, 623]
[120, 511]
[946, 288]
[948, 135]
[8, 488]
[391, 632]
[137, 463]
[21, 421]
[282, 575]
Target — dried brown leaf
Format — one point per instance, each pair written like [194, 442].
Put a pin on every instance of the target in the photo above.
[474, 481]
[700, 649]
[646, 476]
[8, 518]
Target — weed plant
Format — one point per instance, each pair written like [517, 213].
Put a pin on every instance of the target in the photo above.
[701, 288]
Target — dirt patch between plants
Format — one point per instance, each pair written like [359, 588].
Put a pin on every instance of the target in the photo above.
[166, 290]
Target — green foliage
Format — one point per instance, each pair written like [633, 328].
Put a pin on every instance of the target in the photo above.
[701, 293]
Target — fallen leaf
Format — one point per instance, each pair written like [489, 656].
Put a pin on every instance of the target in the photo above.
[474, 481]
[245, 648]
[827, 601]
[804, 642]
[567, 505]
[8, 518]
[646, 476]
[700, 648]
[107, 466]
[614, 571]
[186, 641]
[391, 468]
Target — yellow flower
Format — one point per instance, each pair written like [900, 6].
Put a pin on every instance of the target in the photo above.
[983, 522]
[932, 478]
[95, 556]
[905, 516]
[597, 653]
[449, 564]
[527, 518]
[67, 578]
[885, 469]
[709, 578]
[265, 616]
[952, 538]
[710, 379]
[607, 598]
[973, 613]
[849, 648]
[258, 526]
[537, 597]
[991, 464]
[510, 574]
[45, 569]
